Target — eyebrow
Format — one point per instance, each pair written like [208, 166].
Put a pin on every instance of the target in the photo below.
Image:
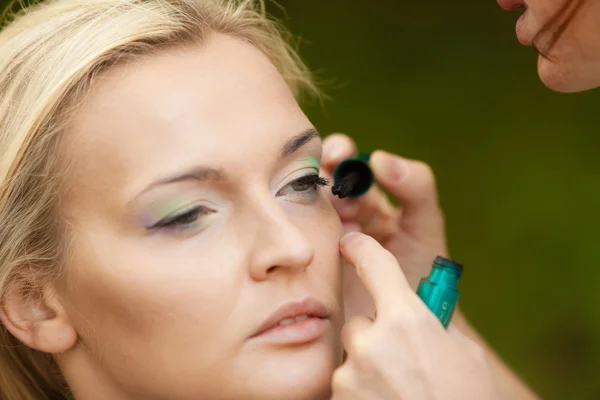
[200, 173]
[203, 173]
[298, 141]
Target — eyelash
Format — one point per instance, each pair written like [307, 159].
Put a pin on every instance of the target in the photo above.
[314, 180]
[180, 221]
[183, 220]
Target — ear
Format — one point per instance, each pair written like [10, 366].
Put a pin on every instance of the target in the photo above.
[33, 314]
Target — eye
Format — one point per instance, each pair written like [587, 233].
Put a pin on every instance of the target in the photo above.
[308, 182]
[304, 186]
[183, 220]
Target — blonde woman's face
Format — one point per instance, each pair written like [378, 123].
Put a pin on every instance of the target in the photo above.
[196, 215]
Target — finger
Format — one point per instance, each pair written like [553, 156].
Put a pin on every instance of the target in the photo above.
[378, 270]
[375, 214]
[351, 226]
[353, 331]
[372, 214]
[413, 183]
[343, 383]
[336, 148]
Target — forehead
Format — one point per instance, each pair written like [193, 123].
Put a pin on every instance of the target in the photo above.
[220, 103]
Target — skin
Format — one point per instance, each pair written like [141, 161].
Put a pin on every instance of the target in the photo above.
[106, 319]
[166, 313]
[573, 64]
[408, 239]
[404, 352]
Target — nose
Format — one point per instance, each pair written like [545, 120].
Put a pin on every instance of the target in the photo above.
[279, 245]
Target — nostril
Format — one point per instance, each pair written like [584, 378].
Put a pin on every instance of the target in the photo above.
[271, 269]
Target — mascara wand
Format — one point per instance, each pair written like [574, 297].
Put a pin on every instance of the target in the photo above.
[353, 177]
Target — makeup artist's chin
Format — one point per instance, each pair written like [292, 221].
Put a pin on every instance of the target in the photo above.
[560, 76]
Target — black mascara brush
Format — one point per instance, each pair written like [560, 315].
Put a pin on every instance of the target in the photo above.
[352, 177]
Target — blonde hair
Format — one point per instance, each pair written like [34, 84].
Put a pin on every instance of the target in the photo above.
[50, 54]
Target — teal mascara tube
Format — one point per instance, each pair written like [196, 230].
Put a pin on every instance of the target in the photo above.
[439, 290]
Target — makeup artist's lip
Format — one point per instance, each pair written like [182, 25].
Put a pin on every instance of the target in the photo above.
[522, 36]
[295, 323]
[510, 5]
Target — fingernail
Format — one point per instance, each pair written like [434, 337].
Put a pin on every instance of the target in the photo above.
[349, 237]
[395, 168]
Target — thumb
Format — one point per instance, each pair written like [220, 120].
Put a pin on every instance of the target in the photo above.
[413, 184]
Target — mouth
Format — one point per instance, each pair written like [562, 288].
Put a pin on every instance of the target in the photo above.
[510, 5]
[522, 34]
[295, 322]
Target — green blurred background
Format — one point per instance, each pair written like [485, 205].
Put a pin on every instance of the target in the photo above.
[517, 164]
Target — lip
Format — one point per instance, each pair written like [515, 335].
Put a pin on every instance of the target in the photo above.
[522, 36]
[299, 332]
[510, 5]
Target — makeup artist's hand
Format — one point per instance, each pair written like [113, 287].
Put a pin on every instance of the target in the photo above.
[404, 353]
[413, 233]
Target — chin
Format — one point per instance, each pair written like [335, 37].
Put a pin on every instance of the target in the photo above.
[562, 77]
[296, 374]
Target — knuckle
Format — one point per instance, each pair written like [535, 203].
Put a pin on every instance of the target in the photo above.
[360, 347]
[402, 320]
[356, 338]
[341, 378]
[407, 320]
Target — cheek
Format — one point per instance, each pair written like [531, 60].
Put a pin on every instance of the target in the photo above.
[326, 225]
[164, 304]
[325, 231]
